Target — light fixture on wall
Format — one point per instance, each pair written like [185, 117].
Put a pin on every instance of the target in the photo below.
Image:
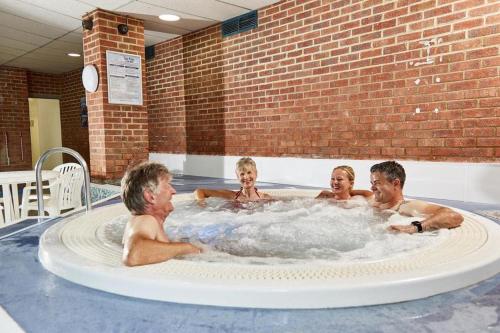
[123, 28]
[73, 54]
[90, 78]
[169, 17]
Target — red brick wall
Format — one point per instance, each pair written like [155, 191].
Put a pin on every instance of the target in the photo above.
[118, 133]
[14, 120]
[74, 136]
[336, 80]
[166, 105]
[44, 85]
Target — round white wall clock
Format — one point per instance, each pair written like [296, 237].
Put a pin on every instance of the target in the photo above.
[90, 78]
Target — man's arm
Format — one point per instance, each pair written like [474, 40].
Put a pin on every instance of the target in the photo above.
[364, 193]
[144, 251]
[436, 217]
[142, 248]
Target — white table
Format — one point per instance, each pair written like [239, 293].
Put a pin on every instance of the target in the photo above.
[10, 181]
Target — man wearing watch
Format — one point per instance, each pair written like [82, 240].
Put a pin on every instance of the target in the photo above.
[387, 179]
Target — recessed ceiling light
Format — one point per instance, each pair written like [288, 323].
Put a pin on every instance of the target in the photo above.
[74, 54]
[169, 17]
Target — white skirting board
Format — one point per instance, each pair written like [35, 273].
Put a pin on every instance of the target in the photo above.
[473, 182]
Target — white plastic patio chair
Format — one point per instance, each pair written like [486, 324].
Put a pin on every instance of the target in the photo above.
[73, 189]
[62, 194]
[62, 169]
[76, 192]
[73, 192]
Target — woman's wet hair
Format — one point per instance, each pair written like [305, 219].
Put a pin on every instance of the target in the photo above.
[245, 163]
[392, 170]
[348, 170]
[137, 179]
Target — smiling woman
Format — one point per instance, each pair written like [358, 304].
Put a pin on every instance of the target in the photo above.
[246, 171]
[342, 182]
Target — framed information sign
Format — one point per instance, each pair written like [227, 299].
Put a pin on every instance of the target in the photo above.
[124, 78]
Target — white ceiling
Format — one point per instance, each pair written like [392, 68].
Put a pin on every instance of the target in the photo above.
[38, 34]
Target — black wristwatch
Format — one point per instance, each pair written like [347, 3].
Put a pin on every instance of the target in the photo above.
[418, 224]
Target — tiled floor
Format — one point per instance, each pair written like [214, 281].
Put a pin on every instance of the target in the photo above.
[42, 302]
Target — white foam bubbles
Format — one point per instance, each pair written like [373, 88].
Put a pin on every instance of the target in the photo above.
[291, 230]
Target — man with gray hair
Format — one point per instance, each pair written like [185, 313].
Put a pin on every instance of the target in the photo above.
[387, 179]
[146, 192]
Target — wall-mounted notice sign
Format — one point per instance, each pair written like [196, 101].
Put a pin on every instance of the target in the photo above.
[124, 78]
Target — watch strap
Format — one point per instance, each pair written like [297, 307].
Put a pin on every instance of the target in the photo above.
[419, 226]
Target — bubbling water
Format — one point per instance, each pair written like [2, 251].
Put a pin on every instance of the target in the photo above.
[291, 230]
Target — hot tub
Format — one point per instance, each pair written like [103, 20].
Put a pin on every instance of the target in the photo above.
[84, 250]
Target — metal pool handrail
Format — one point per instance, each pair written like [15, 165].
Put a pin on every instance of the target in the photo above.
[38, 170]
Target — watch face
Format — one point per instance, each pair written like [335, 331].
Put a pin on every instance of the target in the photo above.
[90, 78]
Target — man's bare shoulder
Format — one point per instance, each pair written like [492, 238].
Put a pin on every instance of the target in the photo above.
[144, 225]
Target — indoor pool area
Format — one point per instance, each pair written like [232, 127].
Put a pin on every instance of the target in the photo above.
[28, 288]
[264, 166]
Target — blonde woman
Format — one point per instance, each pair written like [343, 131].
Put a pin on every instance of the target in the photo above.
[342, 182]
[246, 172]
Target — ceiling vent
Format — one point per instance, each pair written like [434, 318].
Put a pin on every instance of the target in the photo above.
[239, 24]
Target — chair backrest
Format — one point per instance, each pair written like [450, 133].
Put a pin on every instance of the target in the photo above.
[66, 167]
[71, 188]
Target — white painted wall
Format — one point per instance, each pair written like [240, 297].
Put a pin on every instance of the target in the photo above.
[474, 182]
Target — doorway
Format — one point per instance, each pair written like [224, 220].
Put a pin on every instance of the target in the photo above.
[45, 129]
